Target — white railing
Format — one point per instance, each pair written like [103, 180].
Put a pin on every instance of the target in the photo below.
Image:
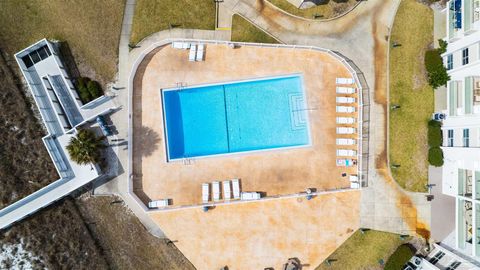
[363, 123]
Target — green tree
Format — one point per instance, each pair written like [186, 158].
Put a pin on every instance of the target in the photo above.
[85, 147]
[94, 89]
[437, 73]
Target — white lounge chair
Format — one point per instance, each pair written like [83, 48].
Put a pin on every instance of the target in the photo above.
[345, 120]
[236, 188]
[186, 45]
[248, 196]
[200, 50]
[342, 141]
[205, 192]
[158, 203]
[345, 162]
[193, 51]
[177, 45]
[345, 90]
[227, 193]
[345, 109]
[353, 178]
[354, 185]
[344, 81]
[345, 130]
[216, 191]
[345, 100]
[346, 153]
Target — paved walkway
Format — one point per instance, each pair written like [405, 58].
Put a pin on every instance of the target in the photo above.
[362, 36]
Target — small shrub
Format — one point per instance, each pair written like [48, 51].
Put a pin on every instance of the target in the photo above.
[435, 156]
[442, 46]
[437, 73]
[84, 95]
[434, 133]
[400, 257]
[94, 89]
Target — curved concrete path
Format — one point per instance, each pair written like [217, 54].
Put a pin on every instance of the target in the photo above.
[362, 36]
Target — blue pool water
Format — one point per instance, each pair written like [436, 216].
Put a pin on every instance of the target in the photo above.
[235, 117]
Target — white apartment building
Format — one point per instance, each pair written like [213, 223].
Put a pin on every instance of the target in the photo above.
[461, 128]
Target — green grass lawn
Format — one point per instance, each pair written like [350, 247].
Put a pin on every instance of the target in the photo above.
[91, 28]
[363, 251]
[152, 16]
[325, 11]
[244, 31]
[413, 29]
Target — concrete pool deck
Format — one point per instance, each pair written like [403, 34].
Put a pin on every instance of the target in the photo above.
[265, 233]
[274, 172]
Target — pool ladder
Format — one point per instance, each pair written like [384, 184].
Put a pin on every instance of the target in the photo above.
[188, 161]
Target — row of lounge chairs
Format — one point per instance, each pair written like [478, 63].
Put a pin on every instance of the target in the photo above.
[354, 183]
[196, 53]
[228, 188]
[343, 109]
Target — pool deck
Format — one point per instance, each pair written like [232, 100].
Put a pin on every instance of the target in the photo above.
[274, 172]
[275, 231]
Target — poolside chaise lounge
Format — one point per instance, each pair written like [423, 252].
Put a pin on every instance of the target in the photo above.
[354, 185]
[353, 178]
[345, 100]
[158, 203]
[248, 196]
[342, 141]
[345, 109]
[205, 192]
[236, 188]
[345, 90]
[345, 120]
[345, 130]
[200, 49]
[345, 162]
[216, 190]
[227, 194]
[344, 81]
[192, 54]
[346, 153]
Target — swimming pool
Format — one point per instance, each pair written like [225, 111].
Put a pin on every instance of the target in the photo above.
[232, 117]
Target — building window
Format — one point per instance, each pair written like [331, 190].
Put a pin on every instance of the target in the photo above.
[465, 56]
[436, 258]
[453, 265]
[466, 137]
[450, 138]
[449, 61]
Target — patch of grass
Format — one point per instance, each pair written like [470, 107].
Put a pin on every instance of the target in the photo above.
[324, 11]
[413, 29]
[399, 257]
[363, 251]
[91, 28]
[152, 16]
[244, 31]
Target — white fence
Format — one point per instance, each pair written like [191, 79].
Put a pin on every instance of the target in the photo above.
[363, 122]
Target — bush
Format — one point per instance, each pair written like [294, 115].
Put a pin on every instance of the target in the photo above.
[434, 133]
[435, 156]
[94, 89]
[437, 73]
[442, 46]
[400, 257]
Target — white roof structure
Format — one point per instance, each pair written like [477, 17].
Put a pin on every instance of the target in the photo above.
[62, 112]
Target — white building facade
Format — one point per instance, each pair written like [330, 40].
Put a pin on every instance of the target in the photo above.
[461, 128]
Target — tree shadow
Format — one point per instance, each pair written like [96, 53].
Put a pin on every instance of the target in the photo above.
[148, 140]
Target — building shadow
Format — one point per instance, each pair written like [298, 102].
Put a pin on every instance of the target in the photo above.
[68, 60]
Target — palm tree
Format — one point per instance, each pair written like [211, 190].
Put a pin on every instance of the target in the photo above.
[85, 148]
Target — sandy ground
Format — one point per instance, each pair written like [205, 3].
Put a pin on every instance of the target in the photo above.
[273, 172]
[265, 233]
